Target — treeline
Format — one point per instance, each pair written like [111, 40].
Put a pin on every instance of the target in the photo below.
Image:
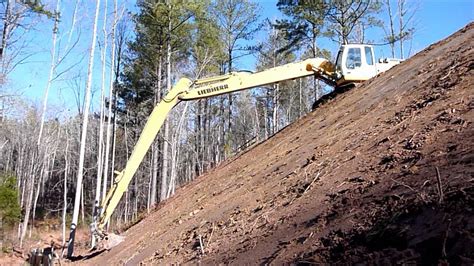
[140, 55]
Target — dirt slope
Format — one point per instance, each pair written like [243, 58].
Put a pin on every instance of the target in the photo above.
[383, 173]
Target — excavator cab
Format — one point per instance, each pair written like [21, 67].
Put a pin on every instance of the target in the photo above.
[355, 63]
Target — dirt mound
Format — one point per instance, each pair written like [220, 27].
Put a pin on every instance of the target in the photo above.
[382, 174]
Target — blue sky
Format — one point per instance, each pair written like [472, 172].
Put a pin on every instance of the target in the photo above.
[435, 20]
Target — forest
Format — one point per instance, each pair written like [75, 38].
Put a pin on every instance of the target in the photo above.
[116, 60]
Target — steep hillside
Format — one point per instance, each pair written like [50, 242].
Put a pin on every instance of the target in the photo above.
[382, 173]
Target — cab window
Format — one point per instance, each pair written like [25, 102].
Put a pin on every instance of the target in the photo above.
[339, 59]
[353, 58]
[368, 56]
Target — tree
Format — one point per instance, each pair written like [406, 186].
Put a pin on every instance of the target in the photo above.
[85, 120]
[271, 55]
[343, 16]
[162, 40]
[65, 191]
[100, 155]
[307, 19]
[52, 68]
[9, 207]
[237, 23]
[206, 53]
[406, 29]
[113, 76]
[15, 13]
[305, 24]
[121, 40]
[390, 35]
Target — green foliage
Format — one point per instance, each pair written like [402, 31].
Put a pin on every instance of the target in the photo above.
[343, 16]
[9, 208]
[37, 7]
[336, 19]
[404, 31]
[206, 52]
[274, 53]
[305, 23]
[158, 24]
[237, 22]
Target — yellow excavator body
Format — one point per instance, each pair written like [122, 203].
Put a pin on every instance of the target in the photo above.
[346, 70]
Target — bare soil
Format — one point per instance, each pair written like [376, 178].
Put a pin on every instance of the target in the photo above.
[383, 173]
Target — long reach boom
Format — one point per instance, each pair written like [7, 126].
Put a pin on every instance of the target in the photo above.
[186, 90]
[354, 63]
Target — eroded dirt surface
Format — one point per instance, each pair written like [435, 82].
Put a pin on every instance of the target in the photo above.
[381, 174]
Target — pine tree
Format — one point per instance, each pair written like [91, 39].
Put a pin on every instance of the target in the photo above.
[305, 23]
[237, 22]
[272, 54]
[343, 17]
[162, 40]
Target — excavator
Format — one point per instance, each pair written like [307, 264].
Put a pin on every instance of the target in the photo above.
[355, 63]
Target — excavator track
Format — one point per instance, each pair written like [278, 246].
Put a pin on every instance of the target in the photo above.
[327, 97]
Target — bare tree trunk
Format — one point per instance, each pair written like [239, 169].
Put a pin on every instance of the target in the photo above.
[275, 99]
[392, 29]
[257, 119]
[100, 163]
[164, 167]
[127, 153]
[109, 115]
[85, 122]
[148, 198]
[156, 144]
[401, 13]
[198, 144]
[102, 104]
[29, 190]
[35, 200]
[114, 135]
[22, 181]
[275, 109]
[300, 97]
[73, 23]
[207, 137]
[175, 151]
[126, 208]
[66, 172]
[82, 206]
[135, 205]
[121, 40]
[154, 173]
[228, 137]
[221, 144]
[165, 161]
[6, 28]
[266, 117]
[51, 71]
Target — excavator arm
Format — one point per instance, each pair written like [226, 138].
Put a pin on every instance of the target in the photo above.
[186, 90]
